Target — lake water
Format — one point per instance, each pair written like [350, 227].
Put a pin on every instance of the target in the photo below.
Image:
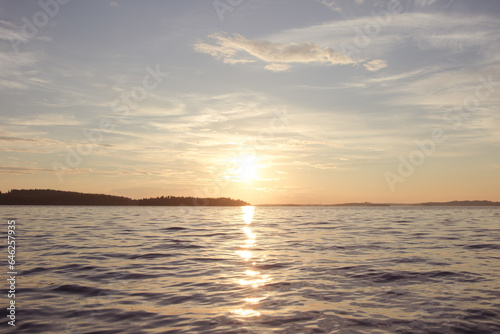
[254, 270]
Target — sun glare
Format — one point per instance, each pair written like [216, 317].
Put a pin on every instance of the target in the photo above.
[246, 169]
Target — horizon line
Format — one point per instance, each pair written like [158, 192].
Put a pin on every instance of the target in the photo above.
[475, 202]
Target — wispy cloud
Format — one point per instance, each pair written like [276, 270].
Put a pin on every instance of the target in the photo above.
[375, 65]
[23, 170]
[277, 67]
[315, 165]
[427, 31]
[16, 66]
[330, 4]
[278, 56]
[26, 140]
[43, 120]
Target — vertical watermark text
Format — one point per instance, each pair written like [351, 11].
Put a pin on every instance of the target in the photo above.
[11, 271]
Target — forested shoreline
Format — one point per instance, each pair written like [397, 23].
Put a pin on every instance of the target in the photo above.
[58, 197]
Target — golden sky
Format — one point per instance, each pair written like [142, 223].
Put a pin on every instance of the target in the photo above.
[270, 102]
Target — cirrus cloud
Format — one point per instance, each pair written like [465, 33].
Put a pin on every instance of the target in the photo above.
[277, 56]
[375, 65]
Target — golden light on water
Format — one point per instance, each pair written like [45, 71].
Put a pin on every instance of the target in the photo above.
[252, 278]
[246, 312]
[254, 300]
[248, 232]
[250, 241]
[255, 282]
[245, 254]
[248, 213]
[251, 272]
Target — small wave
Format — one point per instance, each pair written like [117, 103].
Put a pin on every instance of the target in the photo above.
[75, 267]
[178, 299]
[176, 243]
[134, 276]
[481, 314]
[483, 246]
[35, 327]
[207, 259]
[187, 246]
[408, 276]
[272, 266]
[138, 316]
[79, 290]
[151, 256]
[36, 270]
[409, 260]
[174, 228]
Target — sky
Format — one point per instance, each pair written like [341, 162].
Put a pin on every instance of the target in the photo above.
[271, 102]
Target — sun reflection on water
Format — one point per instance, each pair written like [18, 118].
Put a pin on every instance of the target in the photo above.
[251, 272]
[247, 213]
[245, 254]
[250, 241]
[252, 278]
[246, 312]
[255, 282]
[254, 300]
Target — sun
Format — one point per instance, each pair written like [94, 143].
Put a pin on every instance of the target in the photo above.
[245, 169]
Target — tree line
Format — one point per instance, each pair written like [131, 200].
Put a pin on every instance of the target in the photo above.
[58, 197]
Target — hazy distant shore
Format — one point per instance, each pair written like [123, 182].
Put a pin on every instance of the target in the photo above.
[367, 204]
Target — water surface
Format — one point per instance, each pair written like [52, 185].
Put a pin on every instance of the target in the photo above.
[256, 270]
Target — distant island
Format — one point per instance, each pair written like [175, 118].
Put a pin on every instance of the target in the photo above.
[461, 203]
[451, 203]
[58, 197]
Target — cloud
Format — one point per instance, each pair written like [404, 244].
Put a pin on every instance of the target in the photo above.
[11, 33]
[14, 35]
[43, 120]
[8, 84]
[16, 67]
[427, 31]
[410, 75]
[238, 49]
[330, 4]
[375, 65]
[22, 170]
[18, 139]
[315, 165]
[114, 4]
[277, 67]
